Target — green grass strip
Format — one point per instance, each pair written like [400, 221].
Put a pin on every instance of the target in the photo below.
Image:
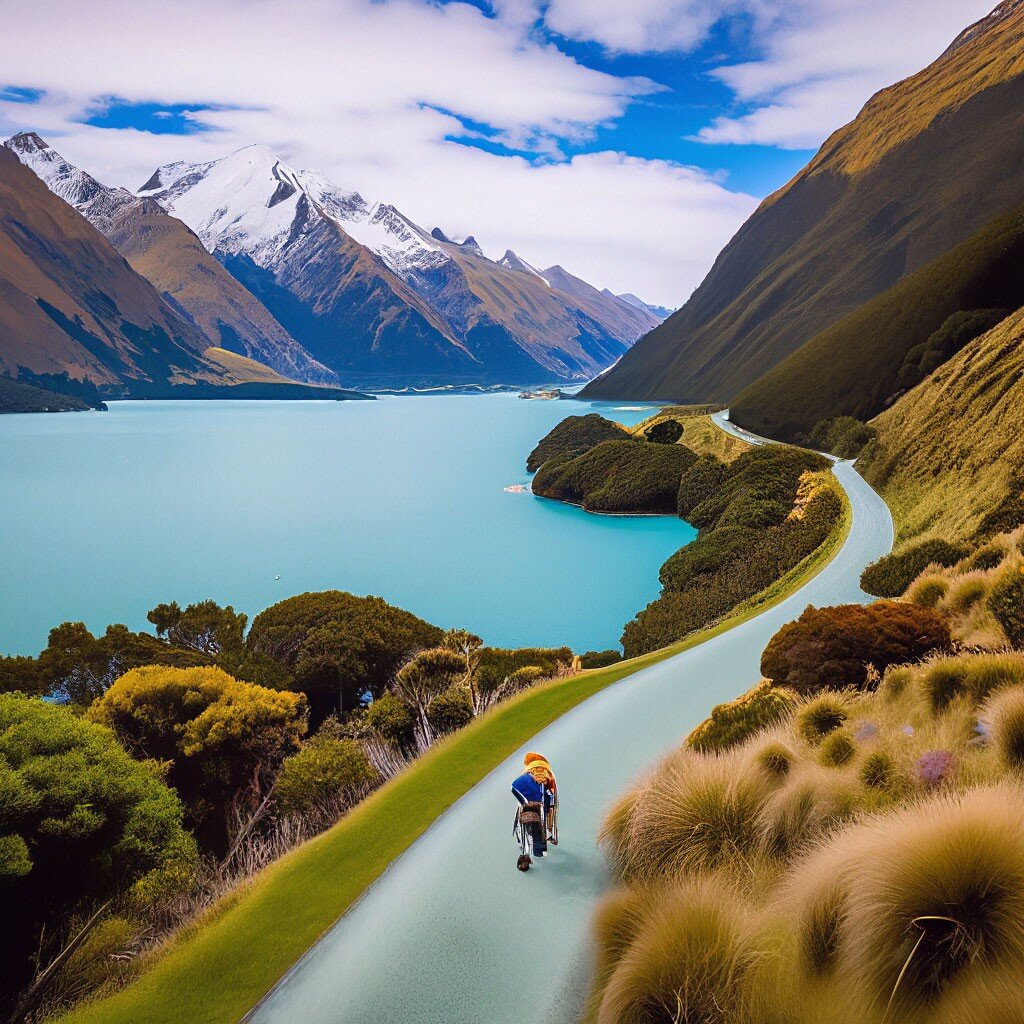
[218, 968]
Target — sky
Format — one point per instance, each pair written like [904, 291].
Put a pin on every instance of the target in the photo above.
[624, 139]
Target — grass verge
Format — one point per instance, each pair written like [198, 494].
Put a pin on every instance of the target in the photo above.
[217, 969]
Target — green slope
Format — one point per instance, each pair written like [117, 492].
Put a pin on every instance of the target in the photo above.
[854, 367]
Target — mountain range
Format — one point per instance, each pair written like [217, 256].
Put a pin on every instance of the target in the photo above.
[247, 258]
[925, 165]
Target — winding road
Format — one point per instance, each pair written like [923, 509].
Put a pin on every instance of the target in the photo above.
[452, 933]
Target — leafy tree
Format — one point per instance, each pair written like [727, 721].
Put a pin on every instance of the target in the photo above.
[204, 626]
[222, 740]
[600, 659]
[699, 483]
[423, 678]
[339, 646]
[22, 674]
[81, 821]
[78, 667]
[832, 648]
[498, 665]
[327, 775]
[843, 436]
[469, 646]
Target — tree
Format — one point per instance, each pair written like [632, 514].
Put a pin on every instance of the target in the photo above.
[222, 740]
[78, 667]
[205, 626]
[339, 647]
[325, 777]
[21, 674]
[81, 821]
[450, 711]
[423, 678]
[833, 647]
[469, 646]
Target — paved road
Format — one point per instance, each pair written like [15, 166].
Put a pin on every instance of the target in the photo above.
[453, 934]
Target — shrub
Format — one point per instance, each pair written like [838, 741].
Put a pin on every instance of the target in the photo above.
[939, 898]
[82, 821]
[843, 436]
[327, 775]
[988, 556]
[707, 555]
[833, 647]
[497, 665]
[1004, 715]
[692, 959]
[600, 659]
[837, 749]
[1006, 602]
[391, 719]
[451, 710]
[574, 435]
[699, 483]
[890, 576]
[820, 716]
[618, 476]
[928, 590]
[740, 719]
[664, 432]
[697, 813]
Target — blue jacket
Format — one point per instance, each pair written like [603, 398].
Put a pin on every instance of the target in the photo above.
[527, 790]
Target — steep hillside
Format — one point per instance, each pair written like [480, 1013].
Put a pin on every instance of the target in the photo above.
[18, 397]
[950, 453]
[924, 166]
[861, 364]
[368, 291]
[71, 309]
[170, 256]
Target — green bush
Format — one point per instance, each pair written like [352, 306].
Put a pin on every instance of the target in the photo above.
[498, 664]
[988, 556]
[81, 821]
[450, 710]
[599, 659]
[664, 432]
[843, 436]
[706, 555]
[327, 775]
[573, 436]
[834, 647]
[700, 483]
[1006, 602]
[890, 576]
[733, 723]
[618, 477]
[391, 719]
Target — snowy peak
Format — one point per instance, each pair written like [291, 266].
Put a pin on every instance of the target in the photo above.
[74, 186]
[472, 245]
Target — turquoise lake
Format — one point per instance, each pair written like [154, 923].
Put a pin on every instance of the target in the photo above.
[105, 515]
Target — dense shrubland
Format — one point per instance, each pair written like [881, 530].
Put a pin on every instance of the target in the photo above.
[575, 435]
[759, 518]
[848, 854]
[161, 771]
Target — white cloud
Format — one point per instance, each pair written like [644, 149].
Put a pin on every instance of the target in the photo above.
[825, 58]
[372, 93]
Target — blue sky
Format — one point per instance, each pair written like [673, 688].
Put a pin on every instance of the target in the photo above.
[627, 141]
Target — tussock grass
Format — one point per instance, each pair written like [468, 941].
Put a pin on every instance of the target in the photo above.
[821, 715]
[837, 749]
[775, 759]
[696, 814]
[690, 965]
[928, 589]
[1004, 717]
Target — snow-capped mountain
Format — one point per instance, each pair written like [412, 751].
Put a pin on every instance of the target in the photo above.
[164, 251]
[367, 289]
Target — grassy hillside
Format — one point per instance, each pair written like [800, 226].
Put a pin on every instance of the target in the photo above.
[949, 453]
[924, 166]
[858, 365]
[699, 434]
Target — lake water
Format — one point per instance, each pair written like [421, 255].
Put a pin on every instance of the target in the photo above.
[104, 515]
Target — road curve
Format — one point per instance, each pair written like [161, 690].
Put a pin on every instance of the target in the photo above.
[452, 933]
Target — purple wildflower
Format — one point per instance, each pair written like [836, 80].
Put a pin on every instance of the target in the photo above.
[935, 767]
